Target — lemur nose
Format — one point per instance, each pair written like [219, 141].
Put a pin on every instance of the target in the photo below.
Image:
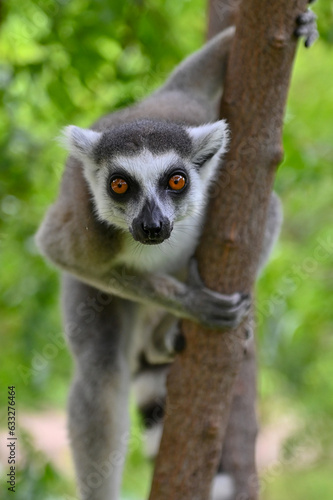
[152, 230]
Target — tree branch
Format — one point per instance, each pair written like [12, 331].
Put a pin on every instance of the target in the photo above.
[201, 380]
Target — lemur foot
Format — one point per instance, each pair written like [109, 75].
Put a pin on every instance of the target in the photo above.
[213, 309]
[307, 27]
[165, 343]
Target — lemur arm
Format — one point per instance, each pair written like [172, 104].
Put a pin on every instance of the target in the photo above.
[197, 303]
[202, 73]
[61, 244]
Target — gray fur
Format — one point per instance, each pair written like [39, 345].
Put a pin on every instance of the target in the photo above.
[122, 298]
[131, 138]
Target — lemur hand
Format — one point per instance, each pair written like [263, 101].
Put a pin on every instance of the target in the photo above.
[212, 309]
[307, 27]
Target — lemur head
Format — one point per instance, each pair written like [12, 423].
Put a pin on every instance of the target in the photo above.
[147, 175]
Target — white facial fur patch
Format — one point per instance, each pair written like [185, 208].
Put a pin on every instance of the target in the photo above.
[147, 167]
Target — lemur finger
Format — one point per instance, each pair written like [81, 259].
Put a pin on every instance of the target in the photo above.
[226, 301]
[311, 39]
[233, 312]
[302, 31]
[306, 17]
[310, 35]
[233, 320]
[224, 323]
[242, 307]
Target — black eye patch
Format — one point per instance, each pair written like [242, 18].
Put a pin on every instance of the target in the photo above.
[120, 177]
[176, 169]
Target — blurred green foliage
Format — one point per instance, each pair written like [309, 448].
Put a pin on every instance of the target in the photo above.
[70, 62]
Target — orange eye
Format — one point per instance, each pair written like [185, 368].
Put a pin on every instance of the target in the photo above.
[119, 186]
[177, 182]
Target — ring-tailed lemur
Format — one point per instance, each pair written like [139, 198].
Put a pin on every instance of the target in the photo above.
[123, 230]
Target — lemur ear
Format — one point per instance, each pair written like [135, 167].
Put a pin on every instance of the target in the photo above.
[79, 142]
[208, 140]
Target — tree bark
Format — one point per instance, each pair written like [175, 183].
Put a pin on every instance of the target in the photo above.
[202, 378]
[239, 445]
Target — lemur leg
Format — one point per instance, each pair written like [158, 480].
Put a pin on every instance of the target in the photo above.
[150, 396]
[98, 400]
[149, 382]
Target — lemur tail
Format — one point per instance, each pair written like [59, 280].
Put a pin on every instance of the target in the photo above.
[202, 73]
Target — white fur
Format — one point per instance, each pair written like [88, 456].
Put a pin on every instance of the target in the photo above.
[79, 141]
[223, 487]
[146, 167]
[170, 256]
[148, 386]
[209, 139]
[152, 439]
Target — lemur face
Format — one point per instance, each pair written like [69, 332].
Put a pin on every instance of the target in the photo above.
[150, 192]
[148, 175]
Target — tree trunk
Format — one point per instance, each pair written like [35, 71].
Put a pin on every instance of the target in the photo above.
[201, 380]
[238, 458]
